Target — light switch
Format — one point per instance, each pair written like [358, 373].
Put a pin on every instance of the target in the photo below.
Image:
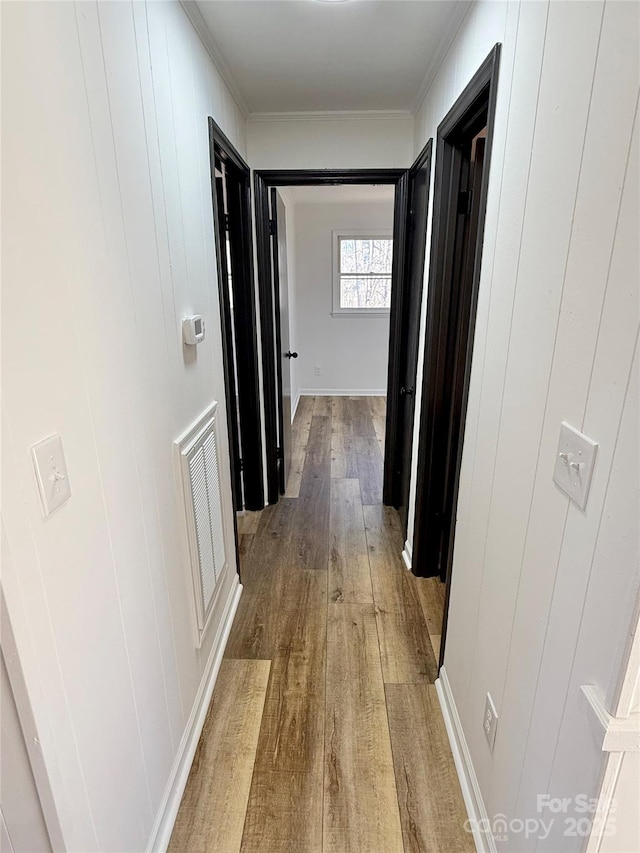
[575, 461]
[51, 473]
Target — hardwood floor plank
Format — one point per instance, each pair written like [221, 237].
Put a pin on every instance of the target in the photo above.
[360, 802]
[322, 406]
[341, 413]
[360, 416]
[436, 640]
[300, 438]
[284, 814]
[405, 647]
[304, 412]
[377, 406]
[248, 521]
[370, 469]
[298, 455]
[245, 541]
[431, 593]
[431, 805]
[213, 808]
[344, 462]
[264, 568]
[380, 426]
[292, 726]
[312, 506]
[349, 575]
[318, 457]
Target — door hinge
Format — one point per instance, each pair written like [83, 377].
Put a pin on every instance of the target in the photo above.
[241, 464]
[279, 453]
[465, 200]
[225, 221]
[272, 227]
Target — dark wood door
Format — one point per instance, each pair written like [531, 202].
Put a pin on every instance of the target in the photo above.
[283, 336]
[407, 326]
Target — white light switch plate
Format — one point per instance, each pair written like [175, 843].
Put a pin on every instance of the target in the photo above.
[575, 461]
[51, 473]
[490, 721]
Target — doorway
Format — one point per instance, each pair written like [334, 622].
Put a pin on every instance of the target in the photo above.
[231, 187]
[267, 233]
[462, 173]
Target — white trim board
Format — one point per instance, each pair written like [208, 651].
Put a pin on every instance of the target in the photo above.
[168, 811]
[446, 41]
[343, 392]
[331, 115]
[200, 26]
[485, 842]
[294, 408]
[407, 554]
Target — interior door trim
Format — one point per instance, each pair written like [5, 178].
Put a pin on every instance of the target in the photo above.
[248, 390]
[477, 100]
[263, 181]
[398, 332]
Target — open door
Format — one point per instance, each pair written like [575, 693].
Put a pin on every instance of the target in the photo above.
[282, 335]
[403, 339]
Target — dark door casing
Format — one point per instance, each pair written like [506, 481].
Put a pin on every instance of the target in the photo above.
[403, 337]
[461, 180]
[231, 199]
[264, 181]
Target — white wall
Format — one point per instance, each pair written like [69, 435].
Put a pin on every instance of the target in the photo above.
[315, 141]
[351, 352]
[108, 243]
[542, 593]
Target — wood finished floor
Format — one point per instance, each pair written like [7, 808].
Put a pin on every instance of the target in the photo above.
[325, 732]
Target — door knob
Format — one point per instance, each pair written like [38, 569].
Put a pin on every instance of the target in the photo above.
[407, 391]
[291, 354]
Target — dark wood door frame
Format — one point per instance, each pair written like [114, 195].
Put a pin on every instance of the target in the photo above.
[241, 322]
[398, 335]
[263, 181]
[443, 409]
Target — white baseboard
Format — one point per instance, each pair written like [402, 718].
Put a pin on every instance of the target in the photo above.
[167, 813]
[484, 840]
[294, 408]
[407, 554]
[343, 392]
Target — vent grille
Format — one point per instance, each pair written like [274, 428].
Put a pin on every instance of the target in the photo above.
[202, 498]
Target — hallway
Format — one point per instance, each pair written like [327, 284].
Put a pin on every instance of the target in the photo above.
[325, 731]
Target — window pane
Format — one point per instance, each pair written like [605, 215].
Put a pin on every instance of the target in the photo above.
[366, 256]
[365, 291]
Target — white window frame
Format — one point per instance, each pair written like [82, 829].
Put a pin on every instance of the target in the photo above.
[358, 234]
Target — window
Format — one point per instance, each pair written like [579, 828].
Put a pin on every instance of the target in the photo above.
[362, 272]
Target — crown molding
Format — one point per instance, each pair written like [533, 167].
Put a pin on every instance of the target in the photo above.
[200, 26]
[461, 12]
[332, 115]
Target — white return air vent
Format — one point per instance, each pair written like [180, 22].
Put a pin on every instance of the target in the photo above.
[197, 453]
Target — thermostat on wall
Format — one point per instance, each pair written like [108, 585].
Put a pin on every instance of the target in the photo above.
[193, 330]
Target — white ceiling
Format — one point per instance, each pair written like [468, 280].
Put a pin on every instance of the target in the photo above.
[305, 55]
[342, 194]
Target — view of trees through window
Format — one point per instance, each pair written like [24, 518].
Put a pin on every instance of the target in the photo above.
[365, 272]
